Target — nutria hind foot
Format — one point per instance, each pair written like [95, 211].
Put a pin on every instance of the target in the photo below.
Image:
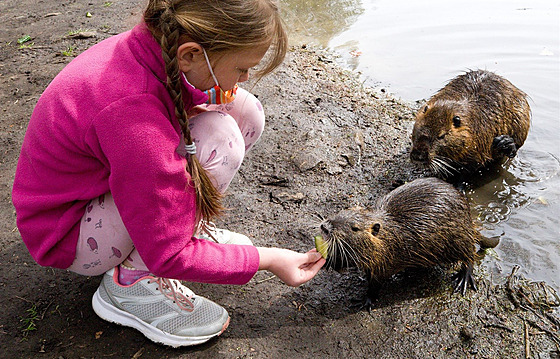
[506, 145]
[369, 299]
[489, 242]
[464, 279]
[360, 304]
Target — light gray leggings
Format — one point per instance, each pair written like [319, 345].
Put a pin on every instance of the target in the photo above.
[223, 135]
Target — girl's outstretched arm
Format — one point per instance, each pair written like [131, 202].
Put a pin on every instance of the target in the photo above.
[291, 267]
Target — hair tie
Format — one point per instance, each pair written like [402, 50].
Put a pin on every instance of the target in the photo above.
[191, 149]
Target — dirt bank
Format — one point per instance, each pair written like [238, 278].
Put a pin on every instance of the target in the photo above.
[329, 144]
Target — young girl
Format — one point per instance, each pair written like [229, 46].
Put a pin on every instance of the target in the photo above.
[123, 166]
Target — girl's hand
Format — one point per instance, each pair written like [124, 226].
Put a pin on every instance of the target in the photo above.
[291, 267]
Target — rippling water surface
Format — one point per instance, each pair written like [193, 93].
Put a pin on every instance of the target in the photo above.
[412, 48]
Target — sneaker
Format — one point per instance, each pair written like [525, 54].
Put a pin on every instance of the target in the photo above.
[223, 236]
[164, 310]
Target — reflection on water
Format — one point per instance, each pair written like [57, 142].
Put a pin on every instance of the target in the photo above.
[318, 21]
[521, 205]
[522, 181]
[412, 48]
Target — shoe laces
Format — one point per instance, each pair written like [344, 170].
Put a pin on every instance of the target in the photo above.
[211, 230]
[177, 292]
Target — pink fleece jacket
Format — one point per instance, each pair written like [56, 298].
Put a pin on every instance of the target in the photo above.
[103, 124]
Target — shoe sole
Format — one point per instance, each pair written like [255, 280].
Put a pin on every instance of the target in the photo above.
[112, 314]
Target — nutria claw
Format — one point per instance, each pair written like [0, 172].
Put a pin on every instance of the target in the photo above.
[455, 132]
[361, 304]
[464, 279]
[421, 224]
[506, 145]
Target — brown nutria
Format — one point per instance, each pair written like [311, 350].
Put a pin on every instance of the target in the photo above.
[477, 119]
[421, 224]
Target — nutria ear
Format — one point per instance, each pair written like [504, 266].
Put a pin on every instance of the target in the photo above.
[375, 229]
[457, 121]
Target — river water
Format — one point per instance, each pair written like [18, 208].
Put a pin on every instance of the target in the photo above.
[412, 48]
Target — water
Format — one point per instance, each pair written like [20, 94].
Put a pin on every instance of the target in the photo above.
[412, 48]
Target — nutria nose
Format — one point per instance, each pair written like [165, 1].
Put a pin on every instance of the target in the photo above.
[418, 155]
[326, 227]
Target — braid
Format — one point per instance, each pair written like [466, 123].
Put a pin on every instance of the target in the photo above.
[219, 26]
[208, 198]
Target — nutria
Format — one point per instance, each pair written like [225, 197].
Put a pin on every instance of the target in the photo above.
[477, 119]
[421, 224]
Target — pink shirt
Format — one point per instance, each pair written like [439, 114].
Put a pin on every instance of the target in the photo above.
[103, 124]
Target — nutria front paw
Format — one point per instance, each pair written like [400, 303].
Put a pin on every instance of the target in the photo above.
[506, 145]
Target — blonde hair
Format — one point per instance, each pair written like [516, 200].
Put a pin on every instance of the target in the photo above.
[219, 26]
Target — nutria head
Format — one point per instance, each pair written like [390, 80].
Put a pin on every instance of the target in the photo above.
[442, 137]
[457, 130]
[352, 238]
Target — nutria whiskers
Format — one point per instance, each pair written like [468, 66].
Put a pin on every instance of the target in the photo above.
[477, 119]
[421, 224]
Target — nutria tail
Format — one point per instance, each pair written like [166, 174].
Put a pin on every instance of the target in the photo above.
[486, 242]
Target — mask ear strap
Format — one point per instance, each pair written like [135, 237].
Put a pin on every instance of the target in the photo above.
[210, 67]
[186, 80]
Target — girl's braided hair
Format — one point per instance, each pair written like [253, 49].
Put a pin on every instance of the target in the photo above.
[219, 26]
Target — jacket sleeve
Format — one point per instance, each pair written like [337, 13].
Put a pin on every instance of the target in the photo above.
[155, 197]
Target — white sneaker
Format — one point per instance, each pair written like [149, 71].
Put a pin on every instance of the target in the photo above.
[223, 235]
[164, 310]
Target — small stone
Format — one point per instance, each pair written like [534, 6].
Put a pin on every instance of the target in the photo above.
[466, 333]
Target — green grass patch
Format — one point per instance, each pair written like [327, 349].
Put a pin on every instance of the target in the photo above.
[69, 51]
[29, 322]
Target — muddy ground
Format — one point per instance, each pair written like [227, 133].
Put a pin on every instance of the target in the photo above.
[329, 144]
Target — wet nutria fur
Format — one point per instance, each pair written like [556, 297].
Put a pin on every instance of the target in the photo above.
[477, 119]
[421, 224]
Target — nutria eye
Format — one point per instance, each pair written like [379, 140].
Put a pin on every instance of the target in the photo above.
[425, 109]
[375, 229]
[440, 137]
[457, 121]
[355, 228]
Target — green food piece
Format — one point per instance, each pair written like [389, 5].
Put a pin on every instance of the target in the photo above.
[23, 39]
[321, 246]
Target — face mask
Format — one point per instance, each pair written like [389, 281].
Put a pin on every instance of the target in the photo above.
[216, 95]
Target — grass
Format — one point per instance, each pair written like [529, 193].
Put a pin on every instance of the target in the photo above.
[26, 46]
[30, 321]
[32, 317]
[77, 31]
[69, 51]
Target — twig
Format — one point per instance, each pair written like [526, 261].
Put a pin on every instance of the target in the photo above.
[498, 325]
[27, 300]
[553, 335]
[510, 284]
[527, 343]
[266, 279]
[138, 354]
[44, 311]
[553, 319]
